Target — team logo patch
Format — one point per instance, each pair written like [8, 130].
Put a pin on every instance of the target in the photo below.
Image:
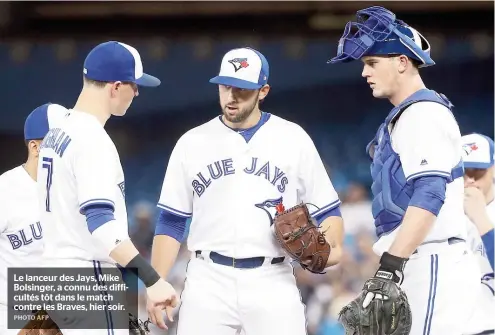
[270, 206]
[239, 63]
[122, 188]
[469, 147]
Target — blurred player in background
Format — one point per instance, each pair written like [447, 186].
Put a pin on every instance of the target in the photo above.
[480, 209]
[230, 174]
[417, 176]
[21, 232]
[81, 185]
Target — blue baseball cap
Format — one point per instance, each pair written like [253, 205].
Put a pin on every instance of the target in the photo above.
[478, 151]
[42, 119]
[243, 68]
[117, 61]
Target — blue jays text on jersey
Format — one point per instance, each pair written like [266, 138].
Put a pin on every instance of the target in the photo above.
[56, 140]
[25, 236]
[225, 167]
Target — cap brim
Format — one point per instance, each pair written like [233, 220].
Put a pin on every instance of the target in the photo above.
[234, 82]
[148, 81]
[477, 165]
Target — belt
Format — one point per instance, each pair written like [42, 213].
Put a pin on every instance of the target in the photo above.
[239, 263]
[450, 241]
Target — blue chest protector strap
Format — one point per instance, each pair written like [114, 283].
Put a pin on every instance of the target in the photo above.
[391, 190]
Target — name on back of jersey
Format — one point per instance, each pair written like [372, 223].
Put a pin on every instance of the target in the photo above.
[57, 140]
[219, 169]
[25, 236]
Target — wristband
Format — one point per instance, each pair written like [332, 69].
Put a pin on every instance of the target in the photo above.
[143, 270]
[391, 267]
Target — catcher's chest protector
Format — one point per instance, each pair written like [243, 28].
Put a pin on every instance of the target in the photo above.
[390, 189]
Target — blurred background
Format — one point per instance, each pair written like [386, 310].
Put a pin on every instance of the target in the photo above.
[43, 46]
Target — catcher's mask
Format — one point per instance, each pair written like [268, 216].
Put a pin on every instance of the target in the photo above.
[378, 32]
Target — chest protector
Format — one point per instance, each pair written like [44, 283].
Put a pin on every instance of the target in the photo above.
[390, 189]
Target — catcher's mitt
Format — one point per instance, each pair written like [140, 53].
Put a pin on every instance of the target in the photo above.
[299, 236]
[388, 313]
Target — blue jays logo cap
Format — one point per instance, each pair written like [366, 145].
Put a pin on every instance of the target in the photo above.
[478, 151]
[243, 68]
[42, 119]
[116, 61]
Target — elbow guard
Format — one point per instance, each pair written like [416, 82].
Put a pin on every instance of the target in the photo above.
[429, 193]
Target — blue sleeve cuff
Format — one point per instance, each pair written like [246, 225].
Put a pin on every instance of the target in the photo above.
[172, 225]
[429, 193]
[321, 216]
[97, 215]
[488, 241]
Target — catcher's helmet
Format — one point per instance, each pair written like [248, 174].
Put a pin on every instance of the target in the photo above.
[378, 32]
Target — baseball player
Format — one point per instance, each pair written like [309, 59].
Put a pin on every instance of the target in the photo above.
[81, 186]
[230, 174]
[21, 232]
[417, 175]
[479, 207]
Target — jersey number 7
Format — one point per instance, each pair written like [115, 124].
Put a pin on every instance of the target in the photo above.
[48, 164]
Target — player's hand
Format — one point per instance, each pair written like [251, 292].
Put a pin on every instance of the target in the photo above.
[474, 203]
[155, 315]
[161, 296]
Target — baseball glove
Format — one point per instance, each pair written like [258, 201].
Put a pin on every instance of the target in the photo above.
[388, 313]
[299, 236]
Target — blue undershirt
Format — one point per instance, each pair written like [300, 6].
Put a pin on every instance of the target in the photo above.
[429, 193]
[97, 215]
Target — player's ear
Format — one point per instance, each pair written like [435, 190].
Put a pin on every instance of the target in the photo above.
[115, 87]
[402, 63]
[264, 92]
[34, 147]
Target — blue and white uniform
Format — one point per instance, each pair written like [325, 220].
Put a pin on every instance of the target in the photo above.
[230, 182]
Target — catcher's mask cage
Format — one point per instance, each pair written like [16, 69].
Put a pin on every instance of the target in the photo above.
[378, 32]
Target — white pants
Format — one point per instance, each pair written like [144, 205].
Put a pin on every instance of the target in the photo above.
[107, 322]
[223, 300]
[442, 285]
[483, 319]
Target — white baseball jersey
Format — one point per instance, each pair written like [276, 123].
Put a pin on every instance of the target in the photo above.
[79, 166]
[20, 229]
[231, 186]
[477, 246]
[436, 150]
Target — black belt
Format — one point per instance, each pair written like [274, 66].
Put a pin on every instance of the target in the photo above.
[450, 241]
[240, 263]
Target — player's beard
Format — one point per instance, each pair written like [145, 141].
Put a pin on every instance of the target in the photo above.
[242, 114]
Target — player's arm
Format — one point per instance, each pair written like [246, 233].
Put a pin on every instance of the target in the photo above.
[475, 209]
[95, 168]
[319, 191]
[176, 207]
[427, 161]
[175, 204]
